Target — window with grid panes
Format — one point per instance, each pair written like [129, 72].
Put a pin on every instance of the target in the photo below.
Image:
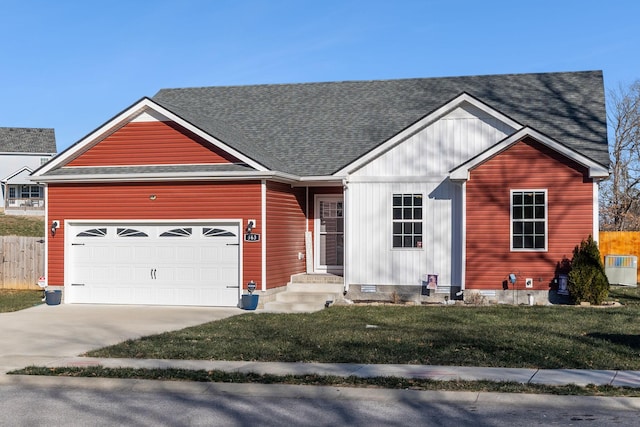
[529, 220]
[407, 220]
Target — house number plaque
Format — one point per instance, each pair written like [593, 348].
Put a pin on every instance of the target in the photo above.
[251, 237]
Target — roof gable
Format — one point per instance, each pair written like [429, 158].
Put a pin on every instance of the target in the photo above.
[23, 171]
[320, 128]
[461, 172]
[325, 130]
[151, 142]
[89, 151]
[464, 100]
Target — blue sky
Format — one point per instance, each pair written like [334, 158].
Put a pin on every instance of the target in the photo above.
[73, 65]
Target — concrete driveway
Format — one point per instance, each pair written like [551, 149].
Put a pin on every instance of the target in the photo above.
[43, 333]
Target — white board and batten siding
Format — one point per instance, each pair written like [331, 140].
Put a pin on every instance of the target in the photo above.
[418, 165]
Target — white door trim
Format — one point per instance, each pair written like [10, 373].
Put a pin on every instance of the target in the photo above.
[319, 268]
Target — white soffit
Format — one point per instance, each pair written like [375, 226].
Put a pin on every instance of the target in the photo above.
[149, 116]
[461, 172]
[425, 121]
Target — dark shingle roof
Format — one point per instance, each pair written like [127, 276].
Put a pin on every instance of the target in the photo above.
[27, 140]
[318, 128]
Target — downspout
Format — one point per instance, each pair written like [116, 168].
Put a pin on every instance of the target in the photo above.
[308, 240]
[5, 194]
[306, 208]
[263, 241]
[596, 211]
[463, 228]
[345, 235]
[46, 235]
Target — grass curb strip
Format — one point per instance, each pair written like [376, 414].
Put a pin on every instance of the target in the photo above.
[324, 380]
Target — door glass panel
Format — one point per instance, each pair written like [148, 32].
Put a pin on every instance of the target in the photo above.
[331, 234]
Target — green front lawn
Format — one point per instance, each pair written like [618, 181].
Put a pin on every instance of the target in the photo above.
[625, 295]
[14, 300]
[328, 380]
[21, 225]
[498, 336]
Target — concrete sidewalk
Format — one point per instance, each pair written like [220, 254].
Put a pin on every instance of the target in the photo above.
[55, 336]
[442, 373]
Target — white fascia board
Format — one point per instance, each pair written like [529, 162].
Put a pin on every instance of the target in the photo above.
[126, 116]
[425, 121]
[394, 179]
[166, 176]
[319, 181]
[461, 172]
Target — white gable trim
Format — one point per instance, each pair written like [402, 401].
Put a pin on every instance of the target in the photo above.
[461, 172]
[145, 109]
[17, 172]
[425, 121]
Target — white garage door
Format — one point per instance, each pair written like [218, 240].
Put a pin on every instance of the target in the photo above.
[177, 263]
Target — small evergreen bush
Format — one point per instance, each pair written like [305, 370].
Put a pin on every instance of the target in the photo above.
[587, 279]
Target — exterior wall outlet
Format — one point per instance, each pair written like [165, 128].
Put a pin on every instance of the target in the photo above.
[528, 283]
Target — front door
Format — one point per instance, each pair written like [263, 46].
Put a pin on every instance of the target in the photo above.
[329, 234]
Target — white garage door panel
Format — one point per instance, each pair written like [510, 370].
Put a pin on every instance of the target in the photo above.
[161, 264]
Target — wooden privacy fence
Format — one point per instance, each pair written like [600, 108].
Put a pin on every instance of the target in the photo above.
[620, 243]
[22, 262]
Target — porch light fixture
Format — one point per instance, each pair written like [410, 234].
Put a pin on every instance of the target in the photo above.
[54, 226]
[250, 225]
[153, 197]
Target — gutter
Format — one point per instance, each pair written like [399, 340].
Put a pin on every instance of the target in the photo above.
[188, 176]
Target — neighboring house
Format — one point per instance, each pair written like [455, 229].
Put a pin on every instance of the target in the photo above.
[186, 197]
[23, 150]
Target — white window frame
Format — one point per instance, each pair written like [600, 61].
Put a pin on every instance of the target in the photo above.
[546, 219]
[403, 221]
[29, 191]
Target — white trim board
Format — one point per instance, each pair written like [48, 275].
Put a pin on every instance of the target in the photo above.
[461, 172]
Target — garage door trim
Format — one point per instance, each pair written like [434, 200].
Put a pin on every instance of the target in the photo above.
[180, 226]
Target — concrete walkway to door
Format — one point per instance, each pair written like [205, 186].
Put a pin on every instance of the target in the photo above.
[37, 335]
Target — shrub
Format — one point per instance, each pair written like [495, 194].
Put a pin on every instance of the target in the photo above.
[587, 279]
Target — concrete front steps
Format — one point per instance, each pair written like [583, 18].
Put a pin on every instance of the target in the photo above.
[307, 293]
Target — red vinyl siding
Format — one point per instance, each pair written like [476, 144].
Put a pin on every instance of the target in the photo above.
[285, 230]
[194, 200]
[527, 165]
[151, 143]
